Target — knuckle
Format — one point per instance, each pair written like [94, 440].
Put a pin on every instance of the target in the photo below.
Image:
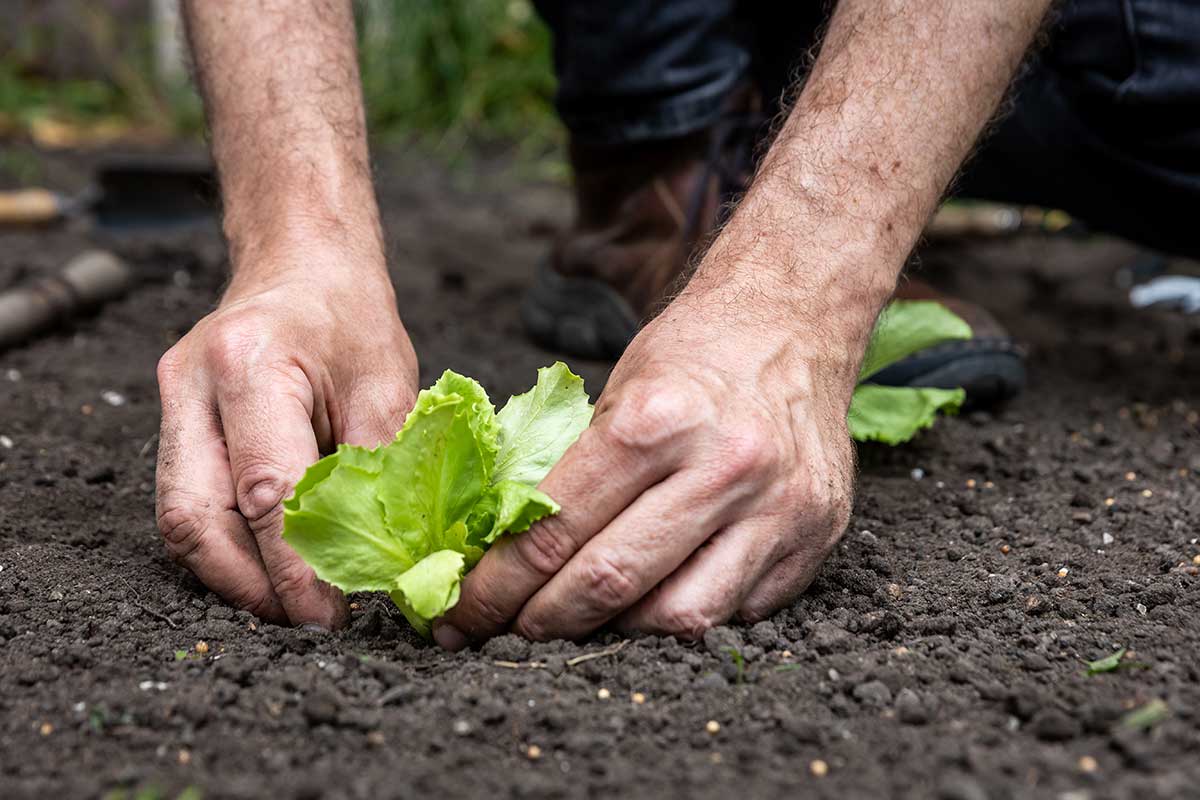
[483, 607]
[260, 490]
[545, 547]
[182, 527]
[248, 598]
[293, 581]
[647, 414]
[687, 622]
[608, 587]
[170, 365]
[530, 628]
[229, 346]
[745, 455]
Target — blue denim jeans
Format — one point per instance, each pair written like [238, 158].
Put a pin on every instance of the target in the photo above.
[1105, 123]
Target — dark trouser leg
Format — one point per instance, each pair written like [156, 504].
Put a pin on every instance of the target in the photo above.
[1106, 124]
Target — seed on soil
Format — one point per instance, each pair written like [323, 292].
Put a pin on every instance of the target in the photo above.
[1005, 549]
[6, 442]
[1062, 572]
[970, 483]
[185, 757]
[715, 758]
[713, 727]
[603, 694]
[533, 752]
[1147, 493]
[461, 727]
[201, 647]
[86, 409]
[1109, 501]
[895, 591]
[638, 698]
[375, 738]
[989, 485]
[1131, 476]
[1196, 559]
[1088, 764]
[46, 729]
[818, 768]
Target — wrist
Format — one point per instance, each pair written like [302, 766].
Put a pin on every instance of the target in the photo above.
[316, 266]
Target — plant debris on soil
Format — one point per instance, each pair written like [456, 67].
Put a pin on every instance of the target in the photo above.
[937, 654]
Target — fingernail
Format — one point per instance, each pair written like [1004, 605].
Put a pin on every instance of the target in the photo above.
[449, 637]
[313, 627]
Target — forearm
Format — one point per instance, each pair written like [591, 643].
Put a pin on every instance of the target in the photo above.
[892, 106]
[284, 103]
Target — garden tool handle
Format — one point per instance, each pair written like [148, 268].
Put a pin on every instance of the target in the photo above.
[29, 207]
[87, 281]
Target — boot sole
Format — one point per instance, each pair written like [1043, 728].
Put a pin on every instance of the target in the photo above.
[579, 316]
[587, 318]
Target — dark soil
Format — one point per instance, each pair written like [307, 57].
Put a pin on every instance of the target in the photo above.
[939, 653]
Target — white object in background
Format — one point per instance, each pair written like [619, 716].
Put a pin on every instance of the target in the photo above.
[1174, 291]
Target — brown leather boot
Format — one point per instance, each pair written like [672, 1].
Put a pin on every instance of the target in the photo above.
[642, 212]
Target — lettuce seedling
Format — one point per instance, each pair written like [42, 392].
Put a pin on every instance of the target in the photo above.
[410, 517]
[895, 414]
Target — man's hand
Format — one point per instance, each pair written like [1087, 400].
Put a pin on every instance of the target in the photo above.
[714, 479]
[252, 396]
[716, 474]
[306, 349]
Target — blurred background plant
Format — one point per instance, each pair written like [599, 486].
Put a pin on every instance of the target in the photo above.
[453, 75]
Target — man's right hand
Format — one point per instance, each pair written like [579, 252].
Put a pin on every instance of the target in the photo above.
[309, 356]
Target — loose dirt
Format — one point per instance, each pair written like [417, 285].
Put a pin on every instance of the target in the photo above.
[939, 653]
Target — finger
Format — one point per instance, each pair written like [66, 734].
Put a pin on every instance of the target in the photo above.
[375, 409]
[647, 542]
[594, 481]
[196, 508]
[267, 418]
[781, 585]
[710, 586]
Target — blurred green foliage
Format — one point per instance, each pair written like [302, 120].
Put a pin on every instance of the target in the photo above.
[453, 74]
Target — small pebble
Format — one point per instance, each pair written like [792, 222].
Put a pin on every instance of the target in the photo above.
[970, 483]
[375, 738]
[1088, 764]
[638, 698]
[533, 752]
[185, 757]
[917, 474]
[818, 768]
[713, 727]
[6, 442]
[13, 375]
[86, 409]
[989, 485]
[1147, 493]
[1131, 476]
[1062, 573]
[603, 694]
[715, 758]
[114, 399]
[461, 727]
[1141, 609]
[1106, 538]
[1108, 502]
[46, 729]
[1196, 560]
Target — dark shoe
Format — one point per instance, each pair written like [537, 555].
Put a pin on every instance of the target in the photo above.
[990, 366]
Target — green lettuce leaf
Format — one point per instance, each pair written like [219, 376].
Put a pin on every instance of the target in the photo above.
[413, 516]
[430, 588]
[537, 427]
[908, 326]
[894, 415]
